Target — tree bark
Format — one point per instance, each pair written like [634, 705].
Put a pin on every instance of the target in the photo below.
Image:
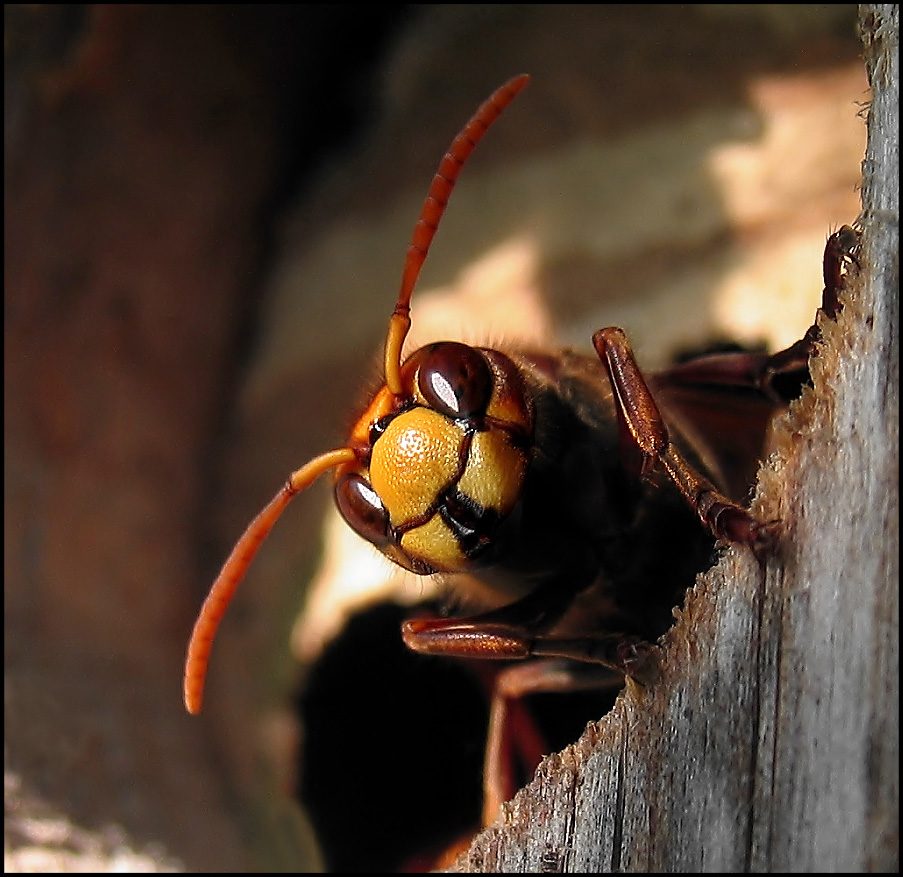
[770, 740]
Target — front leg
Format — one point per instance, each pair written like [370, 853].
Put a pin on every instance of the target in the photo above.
[640, 419]
[512, 633]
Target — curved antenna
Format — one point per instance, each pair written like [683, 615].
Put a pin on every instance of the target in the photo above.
[238, 562]
[433, 208]
[236, 566]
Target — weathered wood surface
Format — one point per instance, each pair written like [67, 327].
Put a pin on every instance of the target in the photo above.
[771, 740]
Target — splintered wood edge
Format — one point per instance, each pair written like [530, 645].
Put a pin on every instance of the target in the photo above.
[535, 826]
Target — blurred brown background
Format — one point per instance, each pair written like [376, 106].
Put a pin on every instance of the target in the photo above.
[207, 210]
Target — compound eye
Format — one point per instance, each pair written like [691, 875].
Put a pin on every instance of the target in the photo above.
[362, 508]
[455, 380]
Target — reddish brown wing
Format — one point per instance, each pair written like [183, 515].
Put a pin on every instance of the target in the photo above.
[715, 401]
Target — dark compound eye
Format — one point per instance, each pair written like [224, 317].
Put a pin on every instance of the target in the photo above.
[455, 380]
[362, 508]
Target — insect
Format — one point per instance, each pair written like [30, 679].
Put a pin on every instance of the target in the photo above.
[578, 494]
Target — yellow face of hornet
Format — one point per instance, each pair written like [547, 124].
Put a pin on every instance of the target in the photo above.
[444, 462]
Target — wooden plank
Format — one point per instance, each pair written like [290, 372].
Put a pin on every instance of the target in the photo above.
[771, 739]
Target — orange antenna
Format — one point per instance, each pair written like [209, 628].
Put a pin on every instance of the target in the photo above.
[433, 208]
[236, 566]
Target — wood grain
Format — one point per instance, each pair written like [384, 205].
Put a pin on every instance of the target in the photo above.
[770, 741]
